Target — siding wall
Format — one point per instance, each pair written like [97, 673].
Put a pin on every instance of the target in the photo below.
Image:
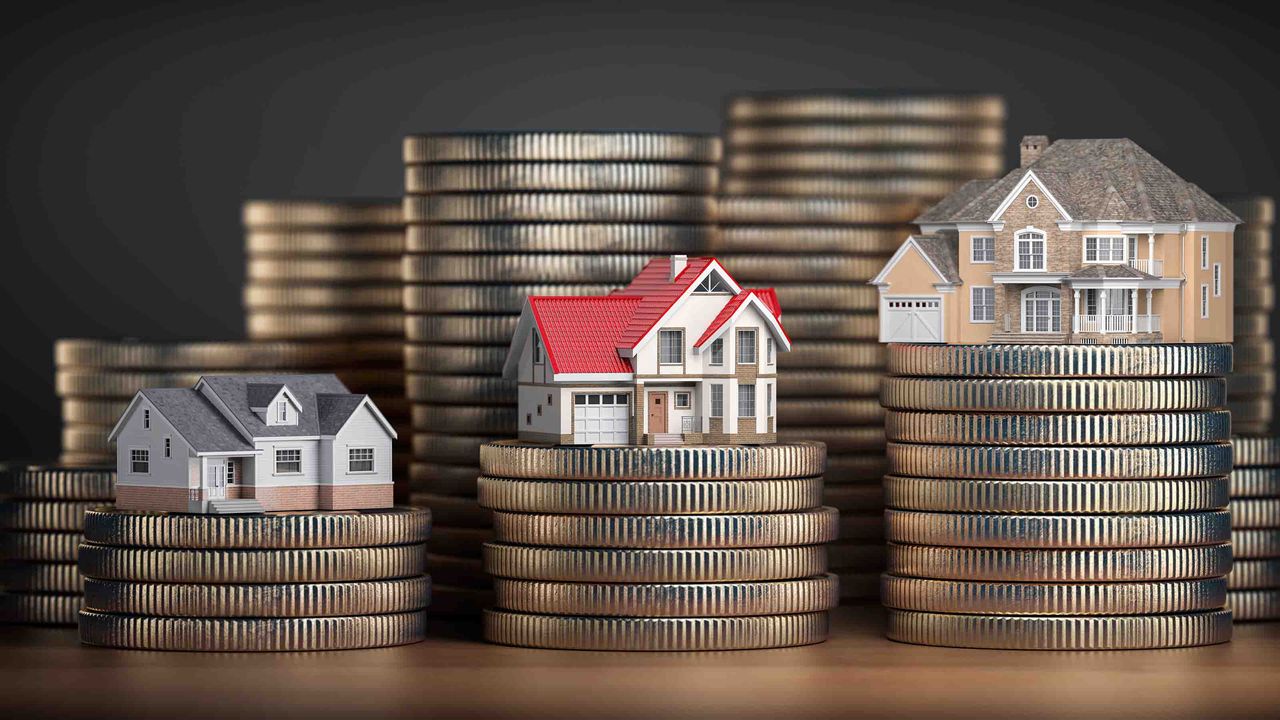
[174, 471]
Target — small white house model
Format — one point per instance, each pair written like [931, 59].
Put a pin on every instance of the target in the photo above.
[681, 355]
[245, 443]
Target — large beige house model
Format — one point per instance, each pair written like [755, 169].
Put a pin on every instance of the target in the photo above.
[1088, 241]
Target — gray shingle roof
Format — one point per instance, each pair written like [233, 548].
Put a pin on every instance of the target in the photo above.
[335, 409]
[196, 420]
[233, 390]
[1111, 272]
[1094, 180]
[262, 393]
[941, 251]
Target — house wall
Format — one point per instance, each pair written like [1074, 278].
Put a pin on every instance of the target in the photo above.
[171, 472]
[957, 307]
[271, 416]
[264, 470]
[526, 370]
[914, 276]
[1218, 326]
[537, 415]
[362, 430]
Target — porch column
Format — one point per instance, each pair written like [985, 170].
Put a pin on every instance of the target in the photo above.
[1102, 310]
[1149, 313]
[1133, 310]
[1151, 251]
[1075, 310]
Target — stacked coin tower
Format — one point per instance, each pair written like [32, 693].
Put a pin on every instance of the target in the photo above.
[1252, 386]
[1254, 583]
[491, 219]
[319, 271]
[818, 190]
[275, 582]
[1057, 497]
[657, 548]
[41, 521]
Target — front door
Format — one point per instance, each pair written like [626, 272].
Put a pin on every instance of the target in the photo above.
[217, 482]
[657, 412]
[1042, 311]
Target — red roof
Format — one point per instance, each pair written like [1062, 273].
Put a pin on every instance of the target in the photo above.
[766, 295]
[658, 294]
[580, 333]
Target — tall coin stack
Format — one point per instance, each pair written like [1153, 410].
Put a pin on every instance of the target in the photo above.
[1254, 583]
[262, 583]
[657, 548]
[1057, 497]
[818, 190]
[321, 271]
[1252, 386]
[41, 526]
[491, 219]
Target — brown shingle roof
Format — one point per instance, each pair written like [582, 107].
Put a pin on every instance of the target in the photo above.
[941, 251]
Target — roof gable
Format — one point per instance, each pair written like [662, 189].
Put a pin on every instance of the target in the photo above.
[199, 423]
[580, 334]
[937, 251]
[660, 294]
[1029, 180]
[765, 301]
[233, 391]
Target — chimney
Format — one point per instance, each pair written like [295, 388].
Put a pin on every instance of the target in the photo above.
[678, 264]
[1033, 147]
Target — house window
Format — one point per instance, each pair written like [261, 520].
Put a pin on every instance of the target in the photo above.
[231, 471]
[746, 401]
[712, 283]
[670, 347]
[360, 460]
[146, 419]
[168, 445]
[1105, 249]
[1030, 250]
[1033, 202]
[1217, 279]
[288, 462]
[282, 411]
[1204, 252]
[717, 401]
[747, 347]
[717, 352]
[982, 304]
[983, 249]
[769, 400]
[768, 351]
[684, 400]
[537, 349]
[1204, 302]
[139, 461]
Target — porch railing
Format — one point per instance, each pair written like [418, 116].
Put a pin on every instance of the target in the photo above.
[1150, 266]
[1115, 323]
[689, 424]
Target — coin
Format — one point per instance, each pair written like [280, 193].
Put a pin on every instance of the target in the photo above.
[1256, 273]
[1255, 482]
[561, 177]
[574, 146]
[1255, 513]
[323, 242]
[1066, 361]
[1250, 416]
[1020, 632]
[258, 296]
[843, 411]
[36, 577]
[881, 186]
[463, 419]
[649, 238]
[863, 135]
[78, 459]
[1252, 574]
[1252, 209]
[1253, 351]
[814, 239]
[328, 213]
[250, 566]
[559, 207]
[1246, 381]
[1252, 240]
[1251, 325]
[450, 448]
[860, 106]
[86, 438]
[40, 546]
[570, 632]
[834, 355]
[460, 329]
[301, 270]
[720, 599]
[138, 632]
[839, 439]
[806, 326]
[211, 356]
[763, 210]
[463, 389]
[1256, 543]
[805, 527]
[808, 268]
[1066, 463]
[1256, 451]
[445, 479]
[1055, 496]
[320, 529]
[454, 359]
[512, 458]
[257, 600]
[305, 325]
[57, 515]
[1253, 605]
[1058, 429]
[1009, 598]
[531, 268]
[39, 608]
[871, 163]
[704, 565]
[1053, 395]
[451, 510]
[1254, 298]
[59, 483]
[1006, 564]
[1056, 531]
[487, 299]
[629, 497]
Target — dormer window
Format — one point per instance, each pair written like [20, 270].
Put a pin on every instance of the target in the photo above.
[712, 283]
[282, 411]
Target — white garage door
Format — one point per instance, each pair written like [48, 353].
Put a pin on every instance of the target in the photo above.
[911, 320]
[600, 418]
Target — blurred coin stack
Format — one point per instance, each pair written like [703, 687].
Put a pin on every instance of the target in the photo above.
[41, 526]
[1254, 583]
[818, 191]
[1057, 497]
[1252, 385]
[657, 548]
[491, 219]
[264, 583]
[320, 271]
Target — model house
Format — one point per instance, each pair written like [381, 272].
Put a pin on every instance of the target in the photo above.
[1088, 241]
[681, 355]
[253, 443]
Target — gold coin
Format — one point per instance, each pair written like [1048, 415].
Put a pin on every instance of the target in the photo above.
[1058, 429]
[670, 600]
[55, 515]
[136, 632]
[497, 421]
[1066, 463]
[1251, 326]
[1252, 209]
[40, 546]
[1056, 531]
[296, 530]
[1021, 632]
[221, 356]
[1055, 496]
[86, 438]
[1253, 605]
[41, 577]
[1255, 482]
[323, 243]
[806, 326]
[870, 163]
[886, 186]
[648, 238]
[559, 207]
[1255, 513]
[1008, 564]
[834, 354]
[74, 459]
[599, 268]
[665, 497]
[257, 600]
[763, 210]
[1053, 395]
[107, 562]
[1254, 574]
[812, 239]
[39, 608]
[511, 458]
[807, 527]
[570, 146]
[1064, 361]
[1252, 241]
[802, 268]
[59, 483]
[439, 299]
[335, 213]
[1256, 451]
[310, 270]
[1253, 543]
[1253, 351]
[839, 440]
[570, 632]
[257, 296]
[1005, 598]
[561, 177]
[877, 136]
[1255, 298]
[460, 329]
[452, 511]
[863, 106]
[809, 411]
[696, 565]
[455, 359]
[306, 325]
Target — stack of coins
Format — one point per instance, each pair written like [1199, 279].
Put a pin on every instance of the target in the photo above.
[491, 219]
[1057, 497]
[1252, 386]
[818, 191]
[329, 270]
[657, 548]
[266, 583]
[41, 525]
[1254, 583]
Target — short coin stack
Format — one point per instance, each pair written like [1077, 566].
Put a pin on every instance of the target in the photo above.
[1254, 583]
[41, 521]
[1057, 497]
[263, 583]
[658, 548]
[493, 218]
[1252, 386]
[817, 193]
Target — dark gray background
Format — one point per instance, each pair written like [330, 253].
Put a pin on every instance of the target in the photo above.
[131, 136]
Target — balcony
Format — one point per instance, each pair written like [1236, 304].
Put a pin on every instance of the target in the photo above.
[1153, 267]
[1115, 323]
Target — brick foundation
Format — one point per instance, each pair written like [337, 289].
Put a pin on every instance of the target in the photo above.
[141, 497]
[356, 497]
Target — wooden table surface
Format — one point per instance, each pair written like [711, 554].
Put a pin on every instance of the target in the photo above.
[46, 673]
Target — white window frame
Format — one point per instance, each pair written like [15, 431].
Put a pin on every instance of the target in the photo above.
[1018, 240]
[1204, 301]
[717, 400]
[740, 358]
[769, 405]
[352, 460]
[988, 251]
[275, 465]
[768, 351]
[168, 446]
[664, 344]
[231, 471]
[1111, 241]
[1217, 279]
[282, 411]
[1204, 252]
[716, 353]
[538, 356]
[712, 284]
[973, 304]
[746, 400]
[1033, 202]
[687, 404]
[139, 455]
[146, 418]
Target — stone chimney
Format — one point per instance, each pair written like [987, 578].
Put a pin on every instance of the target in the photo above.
[1033, 146]
[678, 264]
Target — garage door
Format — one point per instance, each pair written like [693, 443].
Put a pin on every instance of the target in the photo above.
[911, 319]
[600, 418]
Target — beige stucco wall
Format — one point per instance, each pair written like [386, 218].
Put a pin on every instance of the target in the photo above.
[1218, 326]
[913, 276]
[971, 275]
